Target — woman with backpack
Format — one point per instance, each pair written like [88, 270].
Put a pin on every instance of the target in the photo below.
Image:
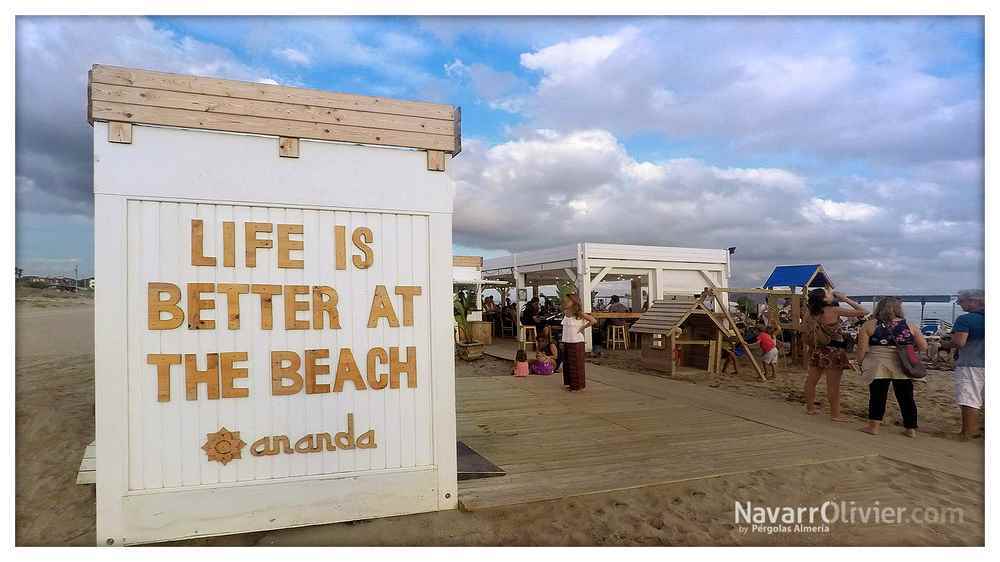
[878, 354]
[828, 346]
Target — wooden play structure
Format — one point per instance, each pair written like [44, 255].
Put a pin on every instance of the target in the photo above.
[683, 331]
[788, 286]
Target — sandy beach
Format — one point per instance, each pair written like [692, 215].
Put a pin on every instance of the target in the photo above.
[54, 403]
[938, 415]
[699, 513]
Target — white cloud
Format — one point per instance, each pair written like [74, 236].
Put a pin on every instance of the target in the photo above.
[819, 210]
[500, 90]
[512, 104]
[53, 57]
[559, 176]
[832, 88]
[736, 92]
[575, 58]
[293, 56]
[31, 198]
[456, 69]
[403, 43]
[545, 188]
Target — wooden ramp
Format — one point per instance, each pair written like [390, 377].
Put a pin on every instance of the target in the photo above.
[88, 465]
[555, 444]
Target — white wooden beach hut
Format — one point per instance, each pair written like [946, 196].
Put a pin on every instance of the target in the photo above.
[658, 269]
[255, 414]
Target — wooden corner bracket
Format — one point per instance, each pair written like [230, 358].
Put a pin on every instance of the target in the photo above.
[119, 132]
[435, 160]
[288, 147]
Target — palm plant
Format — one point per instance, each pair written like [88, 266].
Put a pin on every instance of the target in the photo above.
[463, 305]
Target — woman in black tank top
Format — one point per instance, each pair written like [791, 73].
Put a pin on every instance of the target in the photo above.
[880, 365]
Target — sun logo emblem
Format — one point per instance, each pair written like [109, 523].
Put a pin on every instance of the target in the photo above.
[223, 446]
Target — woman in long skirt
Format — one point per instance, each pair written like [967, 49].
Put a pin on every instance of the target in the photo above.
[575, 321]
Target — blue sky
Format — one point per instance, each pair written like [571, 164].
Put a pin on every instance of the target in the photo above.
[855, 142]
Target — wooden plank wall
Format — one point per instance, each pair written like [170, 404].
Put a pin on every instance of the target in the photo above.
[165, 437]
[128, 95]
[468, 261]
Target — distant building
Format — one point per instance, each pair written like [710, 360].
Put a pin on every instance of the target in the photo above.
[64, 283]
[86, 283]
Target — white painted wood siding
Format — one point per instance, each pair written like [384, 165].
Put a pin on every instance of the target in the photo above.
[165, 437]
[154, 481]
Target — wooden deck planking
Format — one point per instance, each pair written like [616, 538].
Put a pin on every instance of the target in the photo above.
[555, 444]
[87, 474]
[553, 481]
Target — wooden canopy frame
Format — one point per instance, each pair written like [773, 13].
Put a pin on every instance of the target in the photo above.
[819, 270]
[126, 96]
[725, 310]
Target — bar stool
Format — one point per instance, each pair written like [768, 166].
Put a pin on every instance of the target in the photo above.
[635, 341]
[506, 326]
[525, 340]
[617, 335]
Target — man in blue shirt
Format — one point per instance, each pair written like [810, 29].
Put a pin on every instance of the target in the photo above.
[969, 336]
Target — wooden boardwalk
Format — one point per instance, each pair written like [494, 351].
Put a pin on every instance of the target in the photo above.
[554, 443]
[629, 430]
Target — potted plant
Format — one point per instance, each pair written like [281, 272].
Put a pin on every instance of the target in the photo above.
[468, 348]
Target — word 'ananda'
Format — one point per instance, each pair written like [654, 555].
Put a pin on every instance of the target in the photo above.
[315, 442]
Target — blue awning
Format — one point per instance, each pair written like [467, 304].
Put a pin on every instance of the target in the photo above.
[797, 276]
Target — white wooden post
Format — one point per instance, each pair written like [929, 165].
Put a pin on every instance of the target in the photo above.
[110, 369]
[650, 282]
[583, 286]
[478, 314]
[657, 286]
[518, 285]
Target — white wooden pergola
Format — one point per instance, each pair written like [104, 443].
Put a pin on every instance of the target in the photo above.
[659, 269]
[466, 273]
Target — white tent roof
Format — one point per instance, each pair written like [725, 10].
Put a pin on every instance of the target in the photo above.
[619, 255]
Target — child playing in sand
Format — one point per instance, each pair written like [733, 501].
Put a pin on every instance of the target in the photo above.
[770, 350]
[543, 364]
[731, 350]
[520, 364]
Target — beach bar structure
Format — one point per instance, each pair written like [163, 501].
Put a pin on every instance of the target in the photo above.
[660, 270]
[467, 275]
